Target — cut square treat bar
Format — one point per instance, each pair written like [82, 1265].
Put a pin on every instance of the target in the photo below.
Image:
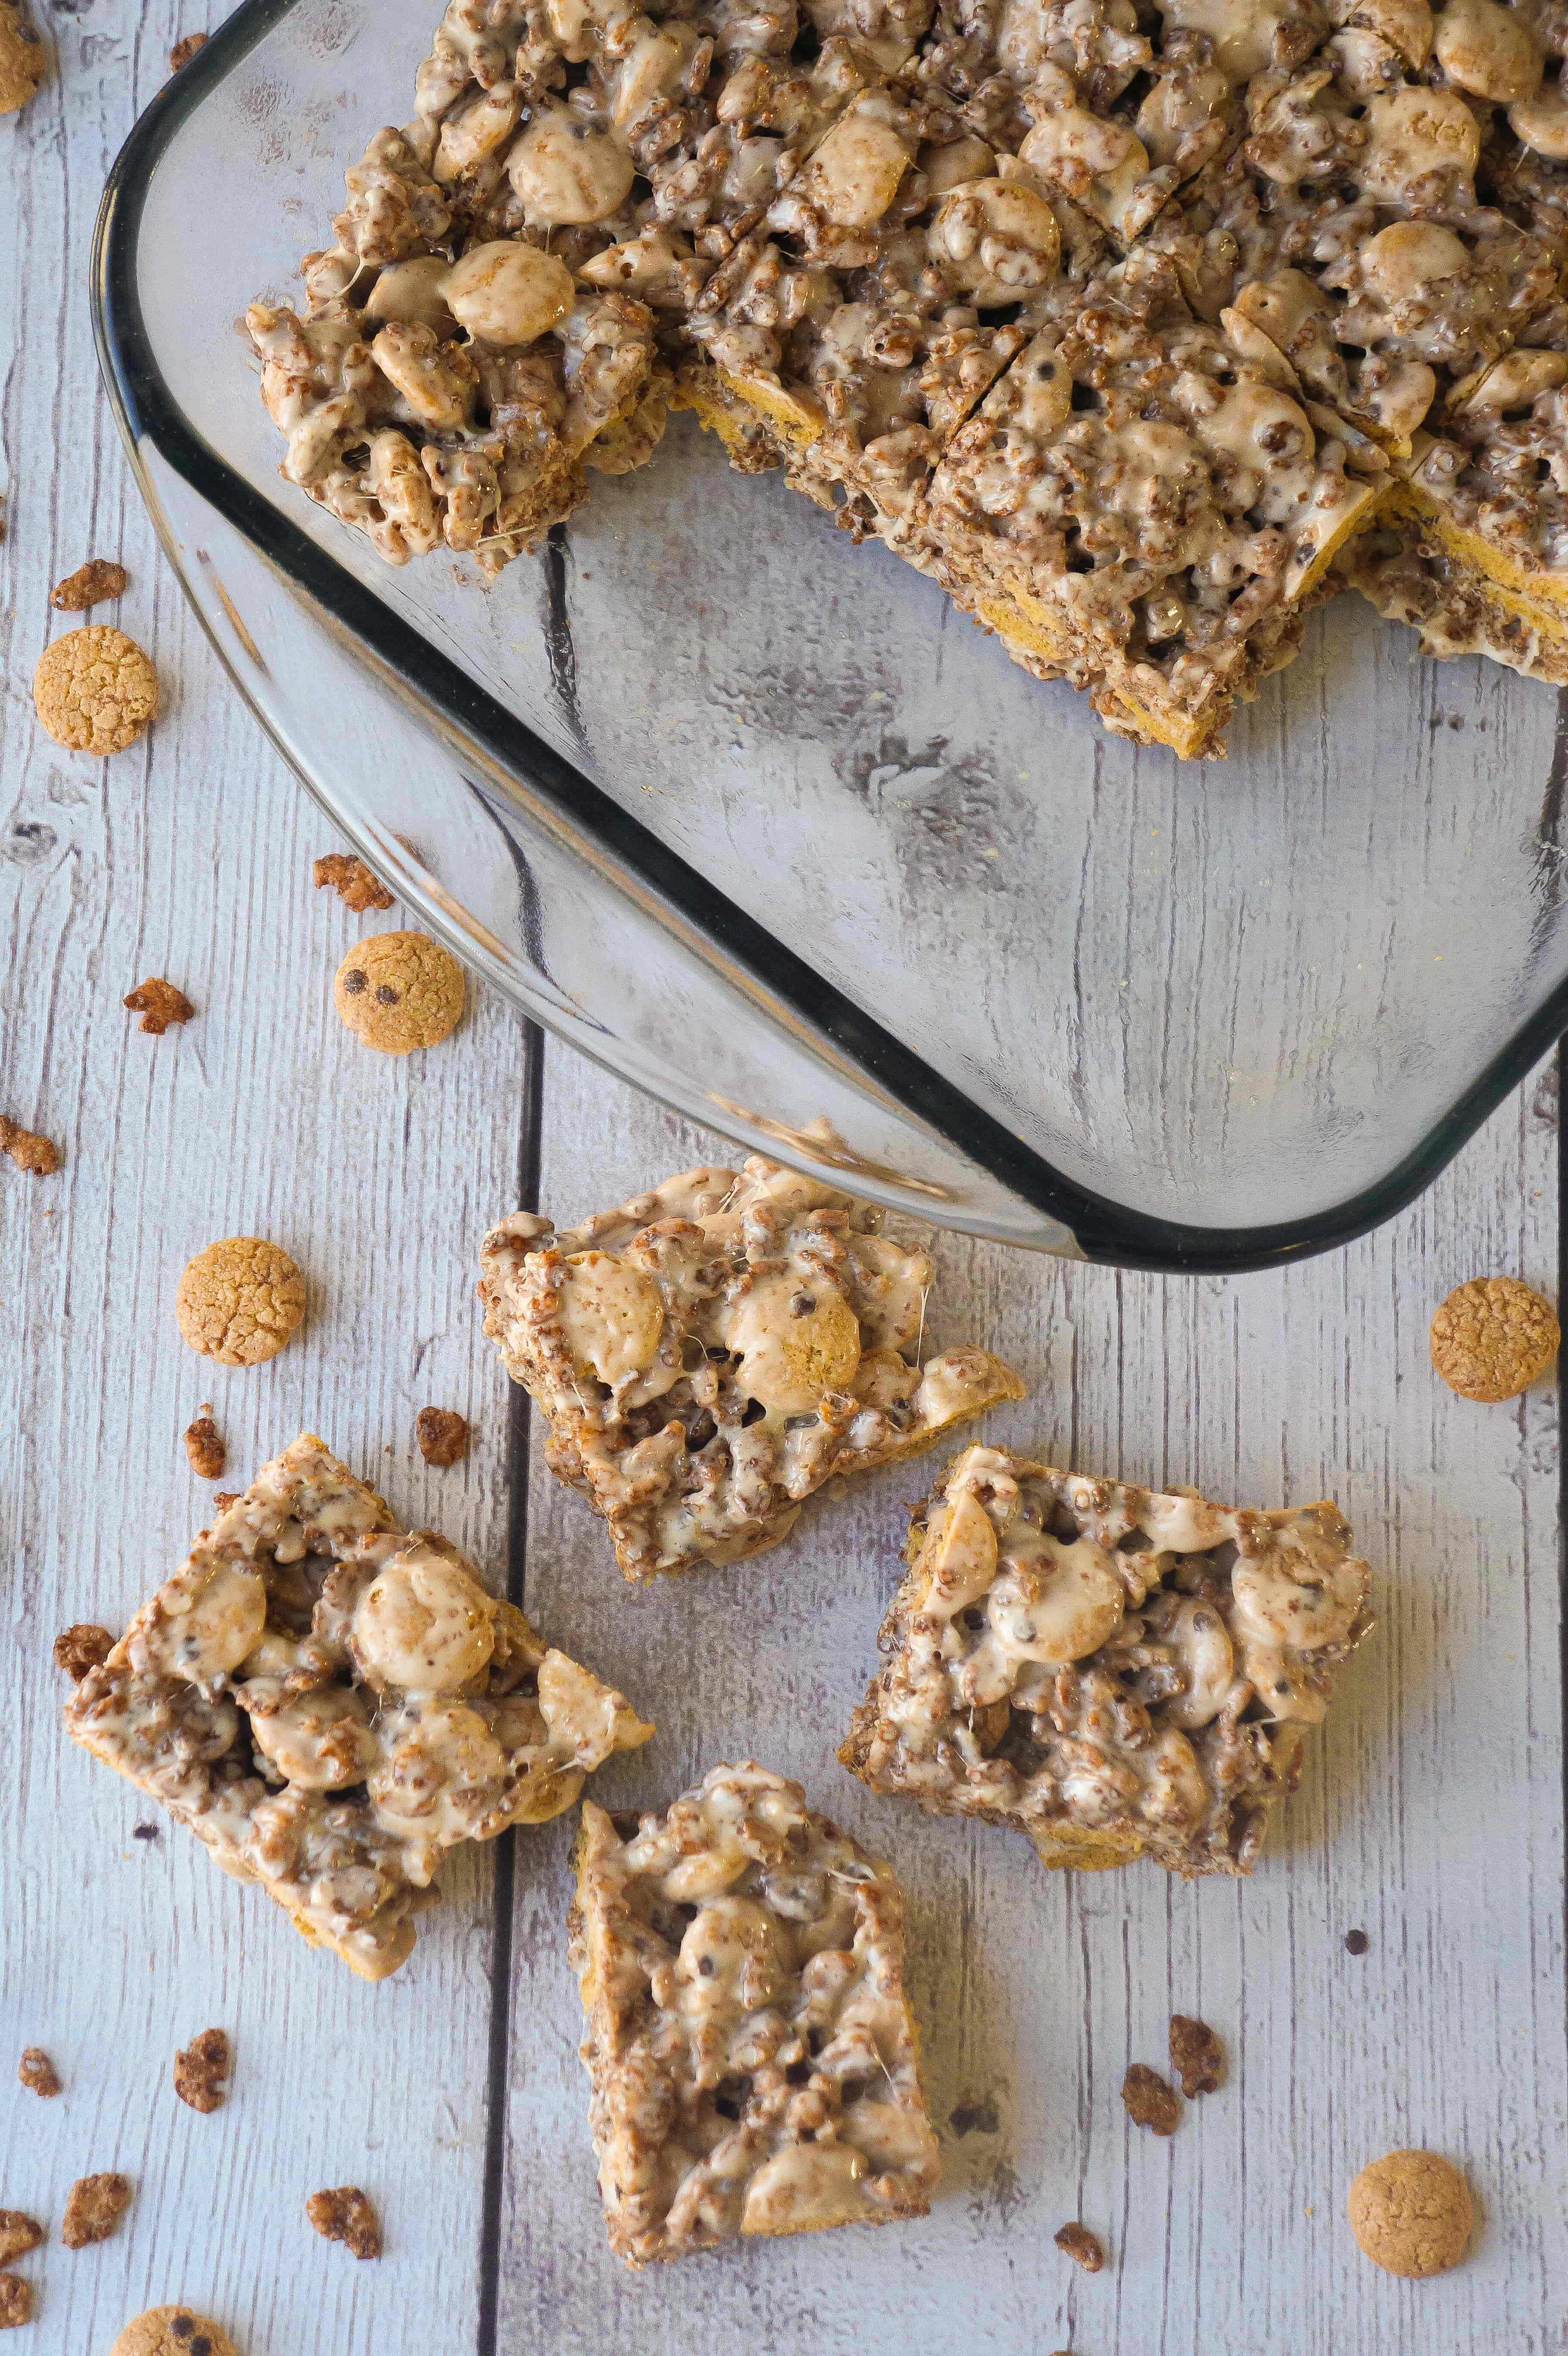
[714, 1351]
[329, 1702]
[1113, 1671]
[750, 2046]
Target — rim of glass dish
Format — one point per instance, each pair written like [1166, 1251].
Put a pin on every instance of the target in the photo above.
[1105, 1230]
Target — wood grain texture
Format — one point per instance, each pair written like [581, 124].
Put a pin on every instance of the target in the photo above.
[1034, 1991]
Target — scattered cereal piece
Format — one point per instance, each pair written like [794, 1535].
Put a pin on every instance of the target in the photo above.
[201, 2071]
[18, 2235]
[90, 584]
[158, 1003]
[185, 48]
[240, 1300]
[398, 991]
[1196, 2055]
[347, 2215]
[1492, 1337]
[33, 1154]
[443, 1435]
[93, 2208]
[1084, 2248]
[81, 1648]
[37, 2072]
[352, 880]
[21, 59]
[15, 2302]
[1411, 2213]
[203, 1446]
[173, 2331]
[1151, 2102]
[95, 690]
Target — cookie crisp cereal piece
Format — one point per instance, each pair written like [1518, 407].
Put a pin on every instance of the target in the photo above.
[750, 2047]
[173, 2331]
[15, 2302]
[1492, 1337]
[93, 2208]
[352, 880]
[329, 1702]
[348, 2215]
[38, 1156]
[158, 1003]
[710, 1354]
[95, 691]
[1412, 2213]
[18, 2235]
[21, 59]
[238, 1301]
[1110, 1670]
[92, 584]
[37, 2072]
[397, 992]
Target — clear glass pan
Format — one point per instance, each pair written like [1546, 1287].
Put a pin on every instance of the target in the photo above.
[756, 818]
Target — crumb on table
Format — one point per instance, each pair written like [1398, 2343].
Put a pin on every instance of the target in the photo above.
[93, 2208]
[352, 880]
[18, 2235]
[201, 2071]
[37, 2072]
[81, 1648]
[15, 2301]
[1196, 2055]
[203, 1446]
[92, 584]
[29, 1152]
[1084, 2248]
[443, 1435]
[158, 1003]
[347, 2215]
[1151, 2102]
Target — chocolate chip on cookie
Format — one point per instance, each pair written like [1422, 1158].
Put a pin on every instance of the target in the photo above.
[95, 691]
[173, 2331]
[1411, 2212]
[397, 992]
[240, 1300]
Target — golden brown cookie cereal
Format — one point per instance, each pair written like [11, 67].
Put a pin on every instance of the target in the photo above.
[397, 992]
[90, 584]
[173, 2331]
[21, 59]
[240, 1300]
[95, 691]
[1493, 1336]
[1411, 2212]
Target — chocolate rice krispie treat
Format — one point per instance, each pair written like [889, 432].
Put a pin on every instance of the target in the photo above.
[710, 1354]
[1113, 1671]
[750, 2046]
[329, 1702]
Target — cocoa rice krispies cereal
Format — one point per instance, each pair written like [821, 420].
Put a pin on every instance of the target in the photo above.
[93, 2208]
[711, 1354]
[201, 2071]
[1112, 1671]
[329, 1702]
[749, 2044]
[347, 2215]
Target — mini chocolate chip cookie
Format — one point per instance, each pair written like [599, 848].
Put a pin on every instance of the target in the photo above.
[173, 2331]
[240, 1300]
[1412, 2213]
[397, 992]
[95, 691]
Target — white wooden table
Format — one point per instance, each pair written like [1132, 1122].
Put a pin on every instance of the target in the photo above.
[1431, 1815]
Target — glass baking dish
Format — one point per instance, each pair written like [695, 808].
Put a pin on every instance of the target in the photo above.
[756, 818]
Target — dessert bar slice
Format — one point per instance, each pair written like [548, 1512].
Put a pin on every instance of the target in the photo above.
[716, 1350]
[750, 2046]
[1112, 1671]
[329, 1702]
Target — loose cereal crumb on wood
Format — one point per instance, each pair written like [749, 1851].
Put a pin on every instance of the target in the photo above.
[37, 2072]
[201, 2071]
[15, 2298]
[1196, 2055]
[347, 2215]
[443, 1436]
[1151, 2102]
[158, 1003]
[352, 880]
[1084, 2248]
[93, 2208]
[185, 48]
[90, 584]
[18, 2235]
[29, 1152]
[203, 1446]
[82, 1648]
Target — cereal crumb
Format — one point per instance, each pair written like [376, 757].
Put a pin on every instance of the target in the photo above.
[1151, 2102]
[95, 690]
[443, 1435]
[352, 880]
[82, 1648]
[203, 1446]
[173, 2331]
[224, 1498]
[15, 2302]
[93, 2208]
[33, 1154]
[185, 48]
[1084, 2248]
[158, 1003]
[1411, 2212]
[397, 992]
[90, 584]
[201, 2071]
[240, 1300]
[1492, 1337]
[347, 2215]
[18, 2235]
[21, 59]
[37, 2072]
[1196, 2055]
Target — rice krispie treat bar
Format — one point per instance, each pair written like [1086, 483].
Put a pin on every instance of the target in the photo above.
[750, 2046]
[710, 1354]
[1115, 1672]
[328, 1702]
